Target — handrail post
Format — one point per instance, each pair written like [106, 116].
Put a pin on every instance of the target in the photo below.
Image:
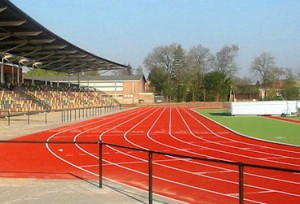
[241, 183]
[100, 163]
[8, 117]
[28, 118]
[67, 115]
[150, 177]
[45, 117]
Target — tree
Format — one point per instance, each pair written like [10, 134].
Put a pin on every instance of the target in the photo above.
[290, 88]
[178, 78]
[263, 66]
[43, 72]
[225, 60]
[217, 86]
[200, 61]
[162, 58]
[158, 79]
[245, 88]
[139, 71]
[92, 73]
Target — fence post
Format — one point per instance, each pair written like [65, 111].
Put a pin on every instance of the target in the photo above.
[241, 183]
[150, 177]
[100, 163]
[45, 117]
[28, 119]
[8, 117]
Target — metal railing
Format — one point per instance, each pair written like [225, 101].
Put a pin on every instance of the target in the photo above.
[150, 153]
[9, 114]
[80, 113]
[67, 115]
[240, 166]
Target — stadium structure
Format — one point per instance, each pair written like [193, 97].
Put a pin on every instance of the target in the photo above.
[162, 153]
[24, 43]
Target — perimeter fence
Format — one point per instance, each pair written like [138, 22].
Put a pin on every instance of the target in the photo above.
[67, 115]
[149, 162]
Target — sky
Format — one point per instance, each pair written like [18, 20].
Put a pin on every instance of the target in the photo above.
[126, 31]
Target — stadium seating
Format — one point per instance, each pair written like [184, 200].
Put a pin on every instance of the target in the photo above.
[16, 102]
[69, 99]
[12, 102]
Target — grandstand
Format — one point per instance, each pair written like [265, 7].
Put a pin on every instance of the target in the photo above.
[166, 153]
[24, 43]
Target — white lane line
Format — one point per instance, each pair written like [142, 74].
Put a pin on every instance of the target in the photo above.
[142, 173]
[226, 152]
[241, 142]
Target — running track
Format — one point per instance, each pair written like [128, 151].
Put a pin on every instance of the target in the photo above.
[171, 130]
[284, 119]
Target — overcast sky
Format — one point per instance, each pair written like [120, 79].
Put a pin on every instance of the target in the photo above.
[126, 31]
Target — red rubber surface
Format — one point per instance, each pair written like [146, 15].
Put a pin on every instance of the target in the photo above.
[171, 130]
[284, 119]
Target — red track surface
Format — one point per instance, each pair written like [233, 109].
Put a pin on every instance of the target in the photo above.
[283, 119]
[171, 130]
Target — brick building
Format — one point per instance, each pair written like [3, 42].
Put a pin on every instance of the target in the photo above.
[125, 89]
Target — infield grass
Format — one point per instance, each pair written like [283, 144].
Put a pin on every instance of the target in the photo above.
[294, 118]
[256, 126]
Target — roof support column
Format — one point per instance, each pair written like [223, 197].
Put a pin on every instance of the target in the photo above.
[13, 75]
[78, 79]
[46, 77]
[32, 77]
[2, 71]
[57, 83]
[18, 75]
[88, 84]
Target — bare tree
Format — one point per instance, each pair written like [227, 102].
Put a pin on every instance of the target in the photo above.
[263, 67]
[225, 60]
[200, 59]
[139, 71]
[161, 57]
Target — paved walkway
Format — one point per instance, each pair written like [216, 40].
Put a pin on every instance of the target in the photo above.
[36, 191]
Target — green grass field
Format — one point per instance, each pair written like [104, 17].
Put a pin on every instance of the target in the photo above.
[256, 126]
[294, 118]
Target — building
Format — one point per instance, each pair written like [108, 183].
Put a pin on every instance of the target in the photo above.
[125, 89]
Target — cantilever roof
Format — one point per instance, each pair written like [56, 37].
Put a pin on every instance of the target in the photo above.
[114, 78]
[26, 42]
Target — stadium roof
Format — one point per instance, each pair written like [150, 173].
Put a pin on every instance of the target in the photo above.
[90, 78]
[24, 41]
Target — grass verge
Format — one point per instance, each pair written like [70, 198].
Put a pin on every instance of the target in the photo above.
[256, 126]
